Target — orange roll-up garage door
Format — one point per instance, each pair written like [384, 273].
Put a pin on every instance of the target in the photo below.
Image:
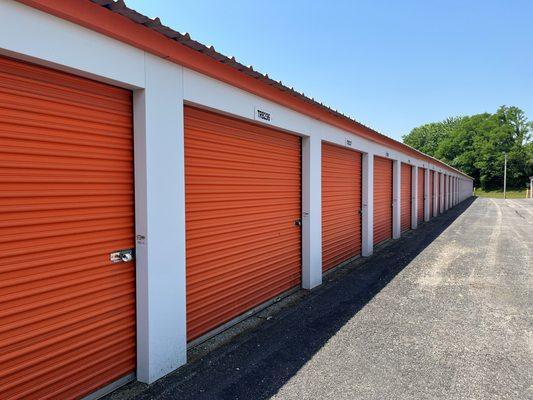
[405, 194]
[382, 199]
[420, 194]
[67, 314]
[243, 196]
[341, 205]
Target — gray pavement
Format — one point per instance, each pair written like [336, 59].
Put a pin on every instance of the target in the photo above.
[443, 313]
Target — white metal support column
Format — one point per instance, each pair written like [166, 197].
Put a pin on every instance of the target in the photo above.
[452, 184]
[160, 221]
[456, 190]
[414, 197]
[441, 193]
[444, 176]
[435, 198]
[312, 212]
[396, 198]
[427, 197]
[367, 240]
[446, 192]
[452, 191]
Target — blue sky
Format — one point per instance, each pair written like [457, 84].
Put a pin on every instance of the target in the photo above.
[393, 65]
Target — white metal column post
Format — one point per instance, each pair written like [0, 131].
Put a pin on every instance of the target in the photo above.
[396, 198]
[444, 178]
[367, 240]
[452, 185]
[427, 197]
[435, 198]
[446, 192]
[452, 191]
[160, 221]
[454, 201]
[414, 197]
[312, 212]
[441, 193]
[449, 193]
[456, 190]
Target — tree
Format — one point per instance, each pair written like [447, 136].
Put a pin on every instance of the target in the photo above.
[426, 138]
[477, 145]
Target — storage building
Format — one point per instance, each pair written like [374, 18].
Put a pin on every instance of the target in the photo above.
[154, 191]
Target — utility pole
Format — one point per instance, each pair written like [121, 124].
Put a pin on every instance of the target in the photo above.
[505, 177]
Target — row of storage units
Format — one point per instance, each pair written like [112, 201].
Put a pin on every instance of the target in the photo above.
[135, 222]
[243, 212]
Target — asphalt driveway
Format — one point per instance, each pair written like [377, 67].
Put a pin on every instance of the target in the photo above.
[444, 313]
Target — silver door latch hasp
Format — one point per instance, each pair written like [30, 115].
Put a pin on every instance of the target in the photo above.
[122, 256]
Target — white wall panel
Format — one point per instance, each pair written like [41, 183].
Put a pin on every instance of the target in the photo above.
[33, 35]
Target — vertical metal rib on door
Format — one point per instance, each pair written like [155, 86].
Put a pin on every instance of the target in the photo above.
[243, 196]
[67, 314]
[405, 195]
[341, 205]
[382, 199]
[420, 194]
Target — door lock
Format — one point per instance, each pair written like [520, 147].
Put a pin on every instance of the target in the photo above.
[298, 222]
[123, 256]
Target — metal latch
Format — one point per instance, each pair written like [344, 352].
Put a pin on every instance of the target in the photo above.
[298, 222]
[122, 256]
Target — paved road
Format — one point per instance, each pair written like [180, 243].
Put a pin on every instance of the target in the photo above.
[444, 313]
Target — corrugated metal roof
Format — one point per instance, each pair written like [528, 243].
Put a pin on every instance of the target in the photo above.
[155, 24]
[120, 7]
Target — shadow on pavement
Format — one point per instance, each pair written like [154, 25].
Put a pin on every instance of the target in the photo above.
[257, 363]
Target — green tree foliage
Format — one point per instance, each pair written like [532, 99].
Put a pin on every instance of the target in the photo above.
[476, 145]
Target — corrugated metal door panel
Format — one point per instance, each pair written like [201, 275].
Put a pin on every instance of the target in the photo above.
[405, 194]
[341, 205]
[382, 199]
[67, 314]
[431, 192]
[420, 194]
[243, 194]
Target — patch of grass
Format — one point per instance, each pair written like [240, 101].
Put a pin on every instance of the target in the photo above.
[498, 194]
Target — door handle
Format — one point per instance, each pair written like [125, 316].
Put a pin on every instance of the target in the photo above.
[298, 222]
